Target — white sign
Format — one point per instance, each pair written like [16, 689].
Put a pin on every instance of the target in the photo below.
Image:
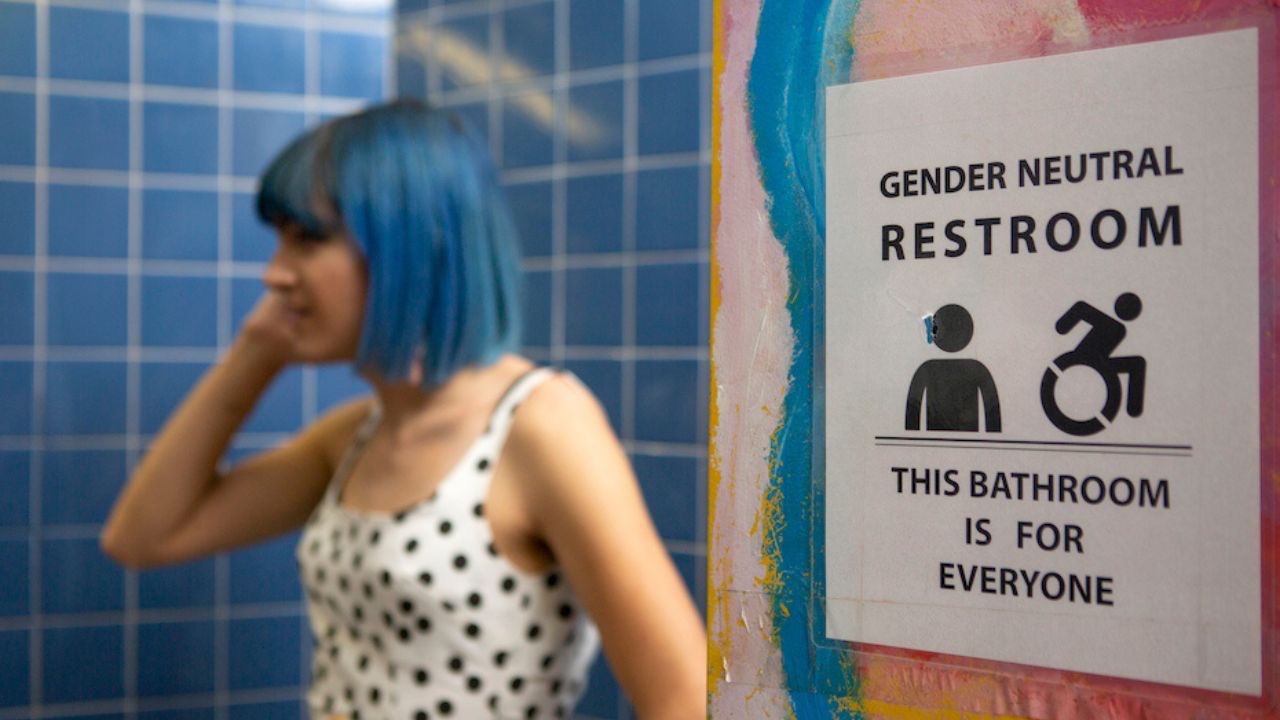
[1041, 357]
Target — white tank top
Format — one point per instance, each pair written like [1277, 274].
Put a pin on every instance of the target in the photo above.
[415, 615]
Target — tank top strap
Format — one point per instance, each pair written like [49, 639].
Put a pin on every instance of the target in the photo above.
[353, 451]
[504, 414]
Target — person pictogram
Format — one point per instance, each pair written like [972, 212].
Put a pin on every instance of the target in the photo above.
[1094, 351]
[953, 393]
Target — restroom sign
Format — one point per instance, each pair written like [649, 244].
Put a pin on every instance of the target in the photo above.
[1042, 362]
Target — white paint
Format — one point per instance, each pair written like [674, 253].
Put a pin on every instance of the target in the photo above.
[1186, 579]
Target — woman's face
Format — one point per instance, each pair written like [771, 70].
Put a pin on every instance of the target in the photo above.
[322, 283]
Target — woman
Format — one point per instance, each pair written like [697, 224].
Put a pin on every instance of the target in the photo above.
[466, 524]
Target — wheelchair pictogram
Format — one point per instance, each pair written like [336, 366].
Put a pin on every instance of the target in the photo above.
[1095, 352]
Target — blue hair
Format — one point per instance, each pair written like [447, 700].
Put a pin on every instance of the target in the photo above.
[417, 194]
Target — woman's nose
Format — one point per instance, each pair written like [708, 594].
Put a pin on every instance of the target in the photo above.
[278, 275]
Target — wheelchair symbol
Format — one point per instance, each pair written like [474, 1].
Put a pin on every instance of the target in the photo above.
[1095, 352]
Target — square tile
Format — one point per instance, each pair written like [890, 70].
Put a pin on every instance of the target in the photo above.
[529, 40]
[604, 378]
[669, 28]
[251, 239]
[535, 308]
[175, 658]
[179, 225]
[269, 59]
[471, 31]
[15, 388]
[87, 309]
[88, 133]
[15, 655]
[258, 135]
[337, 384]
[352, 65]
[79, 486]
[15, 488]
[667, 401]
[179, 311]
[85, 398]
[668, 106]
[266, 711]
[18, 208]
[162, 387]
[88, 44]
[17, 128]
[667, 209]
[189, 585]
[670, 487]
[202, 713]
[692, 569]
[266, 572]
[263, 653]
[475, 116]
[17, 39]
[603, 696]
[88, 221]
[531, 208]
[526, 135]
[593, 307]
[667, 304]
[596, 33]
[594, 130]
[18, 298]
[180, 138]
[411, 69]
[76, 577]
[594, 209]
[15, 566]
[180, 51]
[83, 663]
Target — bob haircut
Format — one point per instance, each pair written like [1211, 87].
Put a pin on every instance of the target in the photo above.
[416, 192]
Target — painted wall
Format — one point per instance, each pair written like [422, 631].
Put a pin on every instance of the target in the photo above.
[131, 135]
[598, 114]
[772, 59]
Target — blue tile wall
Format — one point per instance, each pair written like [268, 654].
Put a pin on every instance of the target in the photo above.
[599, 121]
[128, 228]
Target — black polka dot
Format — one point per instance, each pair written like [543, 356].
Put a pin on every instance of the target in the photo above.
[473, 630]
[358, 613]
[516, 684]
[460, 562]
[424, 578]
[508, 584]
[355, 715]
[525, 600]
[568, 639]
[473, 684]
[343, 585]
[400, 516]
[559, 711]
[328, 703]
[349, 693]
[547, 661]
[446, 527]
[386, 578]
[455, 663]
[357, 560]
[445, 707]
[421, 715]
[424, 624]
[314, 549]
[421, 676]
[368, 591]
[332, 631]
[500, 658]
[448, 606]
[474, 600]
[352, 532]
[406, 606]
[478, 510]
[566, 611]
[374, 537]
[483, 464]
[375, 695]
[493, 702]
[376, 641]
[320, 575]
[411, 545]
[405, 635]
[555, 686]
[553, 580]
[388, 620]
[333, 652]
[355, 633]
[534, 632]
[531, 712]
[364, 662]
[492, 550]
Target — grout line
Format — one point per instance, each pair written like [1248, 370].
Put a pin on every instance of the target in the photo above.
[39, 377]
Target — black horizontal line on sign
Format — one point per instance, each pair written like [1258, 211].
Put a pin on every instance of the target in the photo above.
[1054, 443]
[1084, 450]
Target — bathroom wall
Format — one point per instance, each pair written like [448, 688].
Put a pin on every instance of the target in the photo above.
[597, 112]
[773, 60]
[131, 133]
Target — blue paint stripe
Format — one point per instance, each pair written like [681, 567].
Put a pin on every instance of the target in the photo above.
[802, 46]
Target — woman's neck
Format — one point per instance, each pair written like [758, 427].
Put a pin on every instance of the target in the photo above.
[404, 400]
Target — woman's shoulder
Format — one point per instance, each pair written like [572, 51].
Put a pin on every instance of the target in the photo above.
[559, 425]
[334, 431]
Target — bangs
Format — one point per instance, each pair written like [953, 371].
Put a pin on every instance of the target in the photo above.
[289, 194]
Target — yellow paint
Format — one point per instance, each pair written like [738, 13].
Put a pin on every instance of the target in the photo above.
[892, 711]
[717, 598]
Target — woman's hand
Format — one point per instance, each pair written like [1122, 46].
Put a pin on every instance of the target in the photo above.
[271, 330]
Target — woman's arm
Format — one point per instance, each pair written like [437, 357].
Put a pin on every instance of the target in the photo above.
[588, 507]
[177, 505]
